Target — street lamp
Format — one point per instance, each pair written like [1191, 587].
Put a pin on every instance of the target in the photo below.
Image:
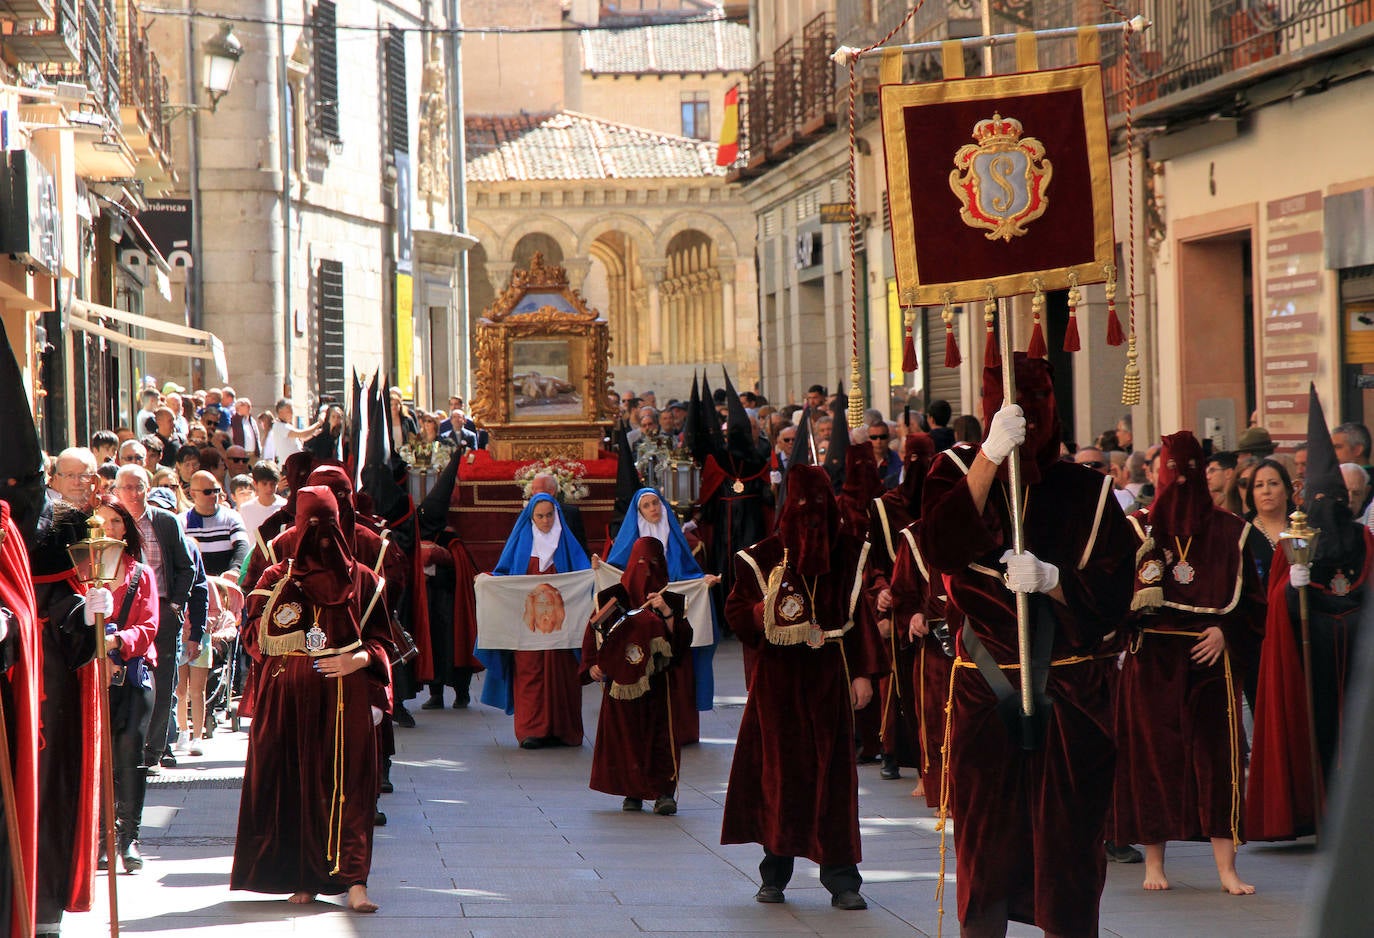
[220, 56]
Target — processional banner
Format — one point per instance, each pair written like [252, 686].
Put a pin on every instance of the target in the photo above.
[996, 182]
[534, 613]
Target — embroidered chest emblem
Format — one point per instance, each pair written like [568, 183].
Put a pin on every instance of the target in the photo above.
[634, 654]
[1151, 571]
[286, 615]
[791, 608]
[315, 639]
[1340, 585]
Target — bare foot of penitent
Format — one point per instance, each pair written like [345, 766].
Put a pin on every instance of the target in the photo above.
[301, 898]
[358, 900]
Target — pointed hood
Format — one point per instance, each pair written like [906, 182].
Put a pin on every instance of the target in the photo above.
[693, 435]
[1327, 502]
[801, 455]
[1034, 379]
[739, 432]
[1182, 503]
[387, 498]
[839, 441]
[434, 508]
[626, 476]
[21, 454]
[1323, 468]
[710, 420]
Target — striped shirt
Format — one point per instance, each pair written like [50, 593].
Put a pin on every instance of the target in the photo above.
[221, 537]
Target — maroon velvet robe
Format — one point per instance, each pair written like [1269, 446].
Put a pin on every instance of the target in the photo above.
[637, 750]
[930, 667]
[289, 786]
[1180, 743]
[1031, 825]
[548, 696]
[793, 784]
[895, 706]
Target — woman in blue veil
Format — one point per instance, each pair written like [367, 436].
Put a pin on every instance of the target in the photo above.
[650, 516]
[539, 688]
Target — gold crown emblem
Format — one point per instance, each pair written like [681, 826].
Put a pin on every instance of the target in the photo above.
[996, 129]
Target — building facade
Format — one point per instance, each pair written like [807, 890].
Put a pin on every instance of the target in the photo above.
[86, 145]
[328, 236]
[610, 172]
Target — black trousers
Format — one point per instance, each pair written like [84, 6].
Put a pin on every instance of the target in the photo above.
[131, 710]
[168, 645]
[777, 871]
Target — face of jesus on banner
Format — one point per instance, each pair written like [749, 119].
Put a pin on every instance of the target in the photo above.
[544, 609]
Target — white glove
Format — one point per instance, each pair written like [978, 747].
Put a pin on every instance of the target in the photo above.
[1007, 432]
[1299, 575]
[376, 716]
[99, 601]
[1027, 573]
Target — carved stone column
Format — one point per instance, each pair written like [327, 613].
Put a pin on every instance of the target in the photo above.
[727, 304]
[577, 272]
[498, 272]
[653, 279]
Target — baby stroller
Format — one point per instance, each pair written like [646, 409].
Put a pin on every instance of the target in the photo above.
[222, 627]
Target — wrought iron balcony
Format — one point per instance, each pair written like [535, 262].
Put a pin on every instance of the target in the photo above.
[48, 40]
[146, 90]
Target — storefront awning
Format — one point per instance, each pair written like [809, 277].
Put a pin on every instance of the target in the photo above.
[163, 338]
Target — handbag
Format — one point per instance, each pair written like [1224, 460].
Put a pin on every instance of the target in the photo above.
[125, 670]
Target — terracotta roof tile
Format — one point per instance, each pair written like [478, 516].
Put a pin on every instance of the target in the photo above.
[707, 45]
[570, 145]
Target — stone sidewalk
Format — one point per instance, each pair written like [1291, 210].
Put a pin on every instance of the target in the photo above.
[486, 839]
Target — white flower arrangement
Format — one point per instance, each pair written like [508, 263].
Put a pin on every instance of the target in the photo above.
[569, 473]
[424, 458]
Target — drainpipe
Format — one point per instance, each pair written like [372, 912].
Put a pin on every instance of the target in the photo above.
[281, 355]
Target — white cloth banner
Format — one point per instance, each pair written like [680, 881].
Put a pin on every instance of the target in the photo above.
[696, 592]
[534, 613]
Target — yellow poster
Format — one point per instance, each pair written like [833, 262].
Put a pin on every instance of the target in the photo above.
[405, 330]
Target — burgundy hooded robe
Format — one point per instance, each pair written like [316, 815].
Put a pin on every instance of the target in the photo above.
[793, 783]
[305, 825]
[1180, 743]
[637, 750]
[1031, 825]
[928, 680]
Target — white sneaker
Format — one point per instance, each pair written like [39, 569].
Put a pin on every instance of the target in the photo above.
[193, 748]
[183, 740]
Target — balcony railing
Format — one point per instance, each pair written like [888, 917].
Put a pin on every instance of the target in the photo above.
[146, 89]
[817, 77]
[42, 41]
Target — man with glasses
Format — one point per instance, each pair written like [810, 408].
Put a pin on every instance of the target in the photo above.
[132, 452]
[1221, 482]
[889, 463]
[216, 528]
[167, 551]
[74, 477]
[236, 461]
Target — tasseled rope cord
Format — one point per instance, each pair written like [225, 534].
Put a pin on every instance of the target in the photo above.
[672, 740]
[334, 849]
[851, 57]
[892, 687]
[943, 814]
[1130, 391]
[921, 713]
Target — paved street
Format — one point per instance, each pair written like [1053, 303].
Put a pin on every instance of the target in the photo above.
[489, 840]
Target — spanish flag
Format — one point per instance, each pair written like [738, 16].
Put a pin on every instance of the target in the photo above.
[729, 130]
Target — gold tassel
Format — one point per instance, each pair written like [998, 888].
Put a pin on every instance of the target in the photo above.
[1130, 385]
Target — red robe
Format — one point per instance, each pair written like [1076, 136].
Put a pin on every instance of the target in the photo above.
[453, 553]
[1180, 743]
[1031, 825]
[930, 666]
[1279, 799]
[548, 696]
[895, 704]
[289, 830]
[69, 749]
[637, 750]
[20, 656]
[793, 784]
